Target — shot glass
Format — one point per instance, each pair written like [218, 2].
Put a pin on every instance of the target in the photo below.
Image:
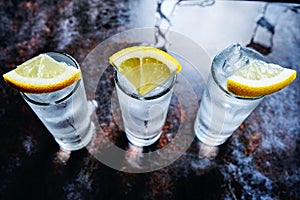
[143, 117]
[221, 112]
[64, 112]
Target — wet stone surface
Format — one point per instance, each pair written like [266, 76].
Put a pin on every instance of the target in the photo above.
[260, 161]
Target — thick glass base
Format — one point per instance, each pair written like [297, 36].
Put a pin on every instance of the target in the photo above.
[78, 145]
[141, 142]
[208, 137]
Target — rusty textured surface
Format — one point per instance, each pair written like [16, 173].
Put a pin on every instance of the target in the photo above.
[260, 161]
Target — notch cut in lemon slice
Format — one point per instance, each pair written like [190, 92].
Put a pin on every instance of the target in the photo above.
[145, 67]
[42, 74]
[259, 79]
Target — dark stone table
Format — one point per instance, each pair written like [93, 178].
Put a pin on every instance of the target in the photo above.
[260, 161]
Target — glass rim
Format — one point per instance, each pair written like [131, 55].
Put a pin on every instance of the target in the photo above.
[65, 97]
[135, 96]
[220, 86]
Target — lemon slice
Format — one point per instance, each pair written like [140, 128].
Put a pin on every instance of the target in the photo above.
[259, 79]
[145, 67]
[42, 74]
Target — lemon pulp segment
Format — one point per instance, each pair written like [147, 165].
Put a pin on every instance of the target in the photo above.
[145, 67]
[42, 74]
[259, 79]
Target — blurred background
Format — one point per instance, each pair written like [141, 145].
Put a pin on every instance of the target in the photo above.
[260, 161]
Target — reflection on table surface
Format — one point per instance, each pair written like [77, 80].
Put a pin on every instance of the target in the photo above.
[260, 160]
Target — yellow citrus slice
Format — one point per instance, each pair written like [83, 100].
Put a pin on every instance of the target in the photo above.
[42, 74]
[145, 67]
[259, 79]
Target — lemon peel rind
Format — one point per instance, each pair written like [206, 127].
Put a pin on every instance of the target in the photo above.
[43, 85]
[140, 52]
[144, 51]
[254, 88]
